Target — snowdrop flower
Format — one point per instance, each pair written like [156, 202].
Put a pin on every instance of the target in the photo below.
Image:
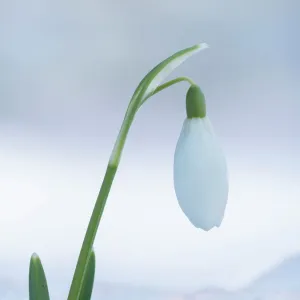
[200, 171]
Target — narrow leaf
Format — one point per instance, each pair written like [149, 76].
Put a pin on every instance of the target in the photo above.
[38, 288]
[88, 280]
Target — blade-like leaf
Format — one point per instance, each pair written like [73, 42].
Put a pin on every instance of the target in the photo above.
[38, 288]
[88, 280]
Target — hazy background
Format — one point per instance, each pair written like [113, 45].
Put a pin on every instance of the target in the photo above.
[67, 72]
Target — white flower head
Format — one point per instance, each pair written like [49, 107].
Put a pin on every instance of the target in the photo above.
[200, 171]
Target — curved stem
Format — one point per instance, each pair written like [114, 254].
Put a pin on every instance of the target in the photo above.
[168, 84]
[111, 170]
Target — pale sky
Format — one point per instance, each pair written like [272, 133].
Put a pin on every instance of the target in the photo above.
[67, 75]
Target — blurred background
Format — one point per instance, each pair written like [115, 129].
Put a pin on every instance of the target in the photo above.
[67, 72]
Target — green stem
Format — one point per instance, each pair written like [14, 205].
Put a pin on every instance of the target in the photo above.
[168, 84]
[91, 233]
[111, 170]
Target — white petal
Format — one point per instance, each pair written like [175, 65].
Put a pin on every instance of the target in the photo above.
[200, 174]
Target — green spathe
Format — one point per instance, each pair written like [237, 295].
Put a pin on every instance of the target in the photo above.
[195, 103]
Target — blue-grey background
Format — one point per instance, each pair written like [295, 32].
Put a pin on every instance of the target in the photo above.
[67, 72]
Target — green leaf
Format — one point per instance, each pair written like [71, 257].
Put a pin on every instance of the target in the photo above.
[38, 289]
[88, 279]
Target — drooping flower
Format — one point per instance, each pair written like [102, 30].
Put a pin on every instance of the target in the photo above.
[200, 170]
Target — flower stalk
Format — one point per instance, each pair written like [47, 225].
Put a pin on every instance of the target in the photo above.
[149, 86]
